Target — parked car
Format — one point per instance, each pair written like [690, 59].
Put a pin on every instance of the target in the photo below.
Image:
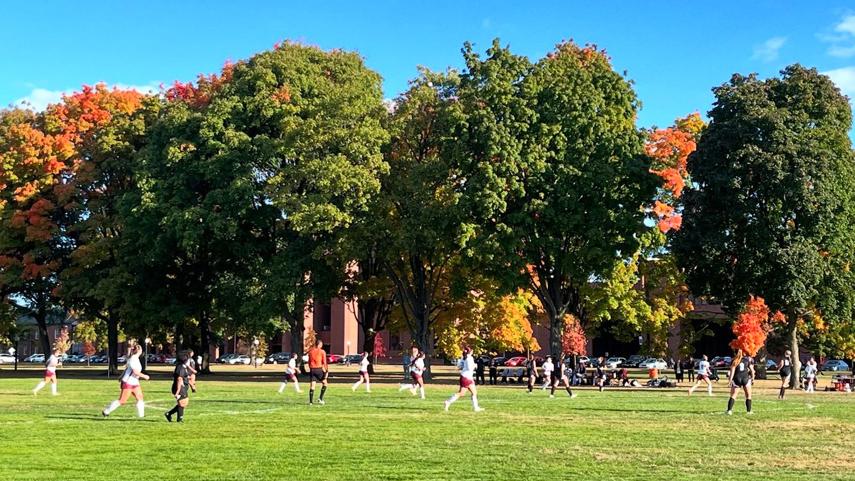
[634, 360]
[721, 361]
[278, 357]
[238, 359]
[35, 358]
[335, 359]
[7, 359]
[353, 359]
[499, 360]
[515, 361]
[835, 365]
[614, 362]
[170, 360]
[771, 365]
[654, 363]
[225, 357]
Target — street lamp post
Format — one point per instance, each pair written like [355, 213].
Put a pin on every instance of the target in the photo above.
[147, 342]
[255, 342]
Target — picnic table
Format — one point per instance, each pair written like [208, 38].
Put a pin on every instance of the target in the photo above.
[843, 383]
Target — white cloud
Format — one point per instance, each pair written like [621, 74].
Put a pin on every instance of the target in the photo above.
[39, 98]
[842, 41]
[844, 78]
[768, 50]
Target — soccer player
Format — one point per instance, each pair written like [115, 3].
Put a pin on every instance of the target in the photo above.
[50, 373]
[548, 369]
[363, 373]
[785, 369]
[130, 383]
[703, 376]
[467, 381]
[318, 371]
[559, 375]
[291, 374]
[741, 376]
[180, 383]
[601, 375]
[192, 368]
[810, 375]
[417, 370]
[531, 371]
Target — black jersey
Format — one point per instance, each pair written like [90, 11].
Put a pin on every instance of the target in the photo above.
[182, 373]
[743, 369]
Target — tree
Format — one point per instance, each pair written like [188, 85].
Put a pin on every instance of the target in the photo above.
[770, 209]
[578, 194]
[753, 325]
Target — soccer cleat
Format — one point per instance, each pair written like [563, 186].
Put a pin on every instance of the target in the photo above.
[321, 402]
[311, 403]
[552, 396]
[446, 405]
[168, 416]
[478, 409]
[750, 413]
[573, 396]
[104, 413]
[729, 412]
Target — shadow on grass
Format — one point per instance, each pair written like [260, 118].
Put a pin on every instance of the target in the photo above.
[99, 418]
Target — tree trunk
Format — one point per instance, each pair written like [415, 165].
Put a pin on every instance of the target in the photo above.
[794, 347]
[205, 344]
[760, 363]
[368, 346]
[556, 332]
[424, 339]
[44, 338]
[296, 328]
[112, 344]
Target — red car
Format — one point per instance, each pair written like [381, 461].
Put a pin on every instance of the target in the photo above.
[334, 358]
[518, 361]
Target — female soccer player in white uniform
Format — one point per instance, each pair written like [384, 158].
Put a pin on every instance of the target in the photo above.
[703, 376]
[363, 374]
[417, 370]
[130, 384]
[467, 381]
[50, 373]
[291, 374]
[548, 367]
[810, 375]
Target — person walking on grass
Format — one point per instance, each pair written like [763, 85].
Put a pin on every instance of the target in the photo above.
[180, 384]
[290, 374]
[703, 376]
[192, 368]
[741, 377]
[548, 369]
[417, 370]
[810, 375]
[561, 374]
[130, 383]
[50, 373]
[785, 369]
[363, 374]
[318, 371]
[466, 381]
[531, 371]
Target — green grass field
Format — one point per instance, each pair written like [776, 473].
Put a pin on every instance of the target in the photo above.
[238, 428]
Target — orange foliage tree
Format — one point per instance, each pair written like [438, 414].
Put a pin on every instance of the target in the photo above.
[753, 325]
[573, 339]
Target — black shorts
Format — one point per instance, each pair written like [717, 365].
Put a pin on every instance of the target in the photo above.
[741, 381]
[786, 371]
[317, 374]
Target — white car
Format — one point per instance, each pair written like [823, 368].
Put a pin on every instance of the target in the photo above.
[35, 358]
[654, 363]
[241, 359]
[7, 359]
[614, 362]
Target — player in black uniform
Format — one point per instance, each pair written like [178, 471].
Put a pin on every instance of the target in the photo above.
[785, 369]
[741, 376]
[180, 385]
[601, 375]
[531, 371]
[559, 375]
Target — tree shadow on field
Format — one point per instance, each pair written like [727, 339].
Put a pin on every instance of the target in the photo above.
[99, 418]
[405, 408]
[638, 411]
[241, 401]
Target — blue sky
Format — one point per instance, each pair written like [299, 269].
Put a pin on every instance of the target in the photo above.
[675, 51]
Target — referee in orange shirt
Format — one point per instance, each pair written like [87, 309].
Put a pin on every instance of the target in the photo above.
[318, 371]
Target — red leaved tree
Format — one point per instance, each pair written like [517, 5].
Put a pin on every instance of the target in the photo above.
[752, 326]
[573, 339]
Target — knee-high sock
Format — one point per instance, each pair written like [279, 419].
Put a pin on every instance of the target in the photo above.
[180, 413]
[569, 392]
[530, 385]
[748, 405]
[368, 387]
[709, 389]
[39, 386]
[781, 392]
[311, 396]
[730, 402]
[282, 386]
[173, 410]
[475, 402]
[405, 386]
[53, 388]
[112, 407]
[552, 390]
[422, 391]
[297, 386]
[323, 390]
[453, 398]
[141, 409]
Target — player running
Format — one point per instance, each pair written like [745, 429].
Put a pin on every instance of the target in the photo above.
[130, 383]
[417, 370]
[50, 373]
[318, 371]
[180, 384]
[531, 371]
[291, 374]
[363, 374]
[548, 370]
[785, 369]
[559, 375]
[810, 375]
[703, 375]
[467, 381]
[741, 376]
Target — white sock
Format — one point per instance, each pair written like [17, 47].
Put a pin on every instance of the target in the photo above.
[367, 387]
[475, 403]
[453, 398]
[112, 407]
[39, 386]
[53, 388]
[297, 386]
[355, 385]
[422, 391]
[141, 409]
[709, 389]
[405, 386]
[282, 387]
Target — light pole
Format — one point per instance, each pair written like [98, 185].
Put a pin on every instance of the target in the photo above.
[255, 342]
[147, 342]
